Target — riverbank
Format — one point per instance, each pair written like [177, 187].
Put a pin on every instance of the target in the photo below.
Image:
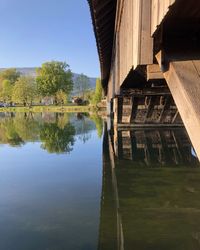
[57, 109]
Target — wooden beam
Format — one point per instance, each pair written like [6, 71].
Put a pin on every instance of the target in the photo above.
[165, 107]
[103, 5]
[117, 108]
[175, 116]
[150, 108]
[147, 91]
[134, 109]
[183, 78]
[154, 72]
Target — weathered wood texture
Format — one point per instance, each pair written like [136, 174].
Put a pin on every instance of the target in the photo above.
[133, 44]
[103, 17]
[183, 78]
[159, 9]
[154, 72]
[145, 108]
[136, 21]
[124, 31]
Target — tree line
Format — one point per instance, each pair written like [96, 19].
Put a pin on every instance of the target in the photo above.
[53, 80]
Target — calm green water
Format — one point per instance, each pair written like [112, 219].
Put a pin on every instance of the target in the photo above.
[66, 185]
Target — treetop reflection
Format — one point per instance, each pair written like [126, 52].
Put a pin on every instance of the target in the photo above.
[56, 131]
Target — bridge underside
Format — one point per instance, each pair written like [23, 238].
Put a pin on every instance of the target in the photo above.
[145, 107]
[150, 62]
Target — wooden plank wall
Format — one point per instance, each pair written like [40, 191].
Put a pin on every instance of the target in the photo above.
[133, 44]
[110, 91]
[136, 22]
[136, 45]
[159, 9]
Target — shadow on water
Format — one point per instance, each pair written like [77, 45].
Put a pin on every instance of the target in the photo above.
[151, 191]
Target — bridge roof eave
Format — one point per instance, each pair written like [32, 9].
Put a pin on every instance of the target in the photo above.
[103, 18]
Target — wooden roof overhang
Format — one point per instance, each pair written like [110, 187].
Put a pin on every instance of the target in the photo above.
[103, 14]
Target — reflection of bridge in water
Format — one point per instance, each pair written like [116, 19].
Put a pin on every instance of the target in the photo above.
[150, 194]
[150, 147]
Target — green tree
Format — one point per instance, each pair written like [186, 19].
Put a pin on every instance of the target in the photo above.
[61, 97]
[52, 77]
[9, 74]
[98, 92]
[82, 85]
[24, 90]
[8, 78]
[7, 89]
[90, 95]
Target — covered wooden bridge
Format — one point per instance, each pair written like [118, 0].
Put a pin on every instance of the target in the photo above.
[149, 54]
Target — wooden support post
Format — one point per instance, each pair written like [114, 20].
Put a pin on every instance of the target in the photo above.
[150, 108]
[183, 78]
[134, 101]
[117, 108]
[165, 106]
[175, 117]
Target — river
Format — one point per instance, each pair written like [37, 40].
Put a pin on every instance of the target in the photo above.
[68, 183]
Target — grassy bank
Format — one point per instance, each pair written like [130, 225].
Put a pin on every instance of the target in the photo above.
[57, 109]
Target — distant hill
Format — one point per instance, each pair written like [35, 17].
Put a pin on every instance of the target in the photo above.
[32, 72]
[25, 71]
[92, 80]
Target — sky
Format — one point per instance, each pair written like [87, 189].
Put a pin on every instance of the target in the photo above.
[36, 31]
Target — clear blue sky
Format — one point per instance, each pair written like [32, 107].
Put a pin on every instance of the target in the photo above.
[35, 31]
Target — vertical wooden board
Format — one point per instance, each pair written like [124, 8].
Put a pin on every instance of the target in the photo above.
[116, 68]
[118, 65]
[125, 38]
[146, 55]
[120, 49]
[119, 57]
[110, 87]
[131, 34]
[136, 24]
[154, 15]
[159, 9]
[115, 110]
[114, 80]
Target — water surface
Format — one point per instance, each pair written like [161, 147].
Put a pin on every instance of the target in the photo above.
[50, 182]
[65, 186]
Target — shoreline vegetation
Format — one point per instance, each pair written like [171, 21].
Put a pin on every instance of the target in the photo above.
[53, 88]
[50, 108]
